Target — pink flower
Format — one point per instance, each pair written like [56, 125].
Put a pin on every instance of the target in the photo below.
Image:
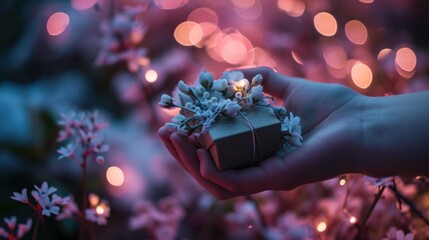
[20, 197]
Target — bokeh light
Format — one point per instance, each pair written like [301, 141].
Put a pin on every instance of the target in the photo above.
[353, 220]
[321, 227]
[82, 4]
[384, 53]
[335, 56]
[170, 4]
[206, 18]
[99, 210]
[361, 75]
[356, 32]
[406, 59]
[151, 75]
[294, 8]
[325, 24]
[57, 23]
[115, 176]
[188, 33]
[366, 1]
[342, 182]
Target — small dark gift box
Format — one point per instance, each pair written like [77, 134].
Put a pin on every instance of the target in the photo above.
[232, 144]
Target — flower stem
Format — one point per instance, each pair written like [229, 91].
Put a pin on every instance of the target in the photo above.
[36, 228]
[84, 199]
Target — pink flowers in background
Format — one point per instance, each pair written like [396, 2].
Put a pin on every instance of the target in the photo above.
[86, 143]
[46, 203]
[13, 231]
[83, 132]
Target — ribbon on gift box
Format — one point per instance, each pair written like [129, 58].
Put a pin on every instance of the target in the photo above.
[255, 139]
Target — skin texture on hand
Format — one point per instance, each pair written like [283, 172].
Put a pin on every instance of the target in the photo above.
[341, 130]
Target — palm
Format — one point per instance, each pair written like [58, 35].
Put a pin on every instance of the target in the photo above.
[327, 112]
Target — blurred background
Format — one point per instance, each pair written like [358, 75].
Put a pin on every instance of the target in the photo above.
[119, 56]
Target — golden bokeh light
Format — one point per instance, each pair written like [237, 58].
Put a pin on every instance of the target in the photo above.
[99, 210]
[325, 24]
[115, 176]
[206, 18]
[170, 4]
[384, 53]
[406, 59]
[296, 57]
[356, 32]
[94, 199]
[188, 33]
[57, 23]
[335, 56]
[151, 75]
[248, 9]
[361, 75]
[244, 3]
[234, 48]
[294, 8]
[321, 227]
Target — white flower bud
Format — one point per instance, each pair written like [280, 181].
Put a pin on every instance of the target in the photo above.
[178, 119]
[231, 109]
[220, 85]
[257, 80]
[257, 93]
[183, 87]
[99, 159]
[166, 101]
[206, 80]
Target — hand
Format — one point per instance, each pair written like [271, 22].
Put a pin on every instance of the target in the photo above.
[331, 120]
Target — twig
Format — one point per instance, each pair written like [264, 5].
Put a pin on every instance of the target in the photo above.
[409, 203]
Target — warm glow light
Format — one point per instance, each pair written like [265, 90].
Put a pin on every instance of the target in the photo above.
[99, 210]
[170, 4]
[93, 199]
[356, 32]
[366, 1]
[115, 176]
[296, 57]
[361, 75]
[206, 18]
[325, 24]
[335, 57]
[241, 83]
[294, 8]
[353, 219]
[82, 4]
[321, 227]
[244, 3]
[151, 75]
[234, 48]
[406, 59]
[342, 182]
[383, 53]
[251, 9]
[188, 33]
[57, 23]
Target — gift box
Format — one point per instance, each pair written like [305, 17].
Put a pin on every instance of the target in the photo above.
[250, 137]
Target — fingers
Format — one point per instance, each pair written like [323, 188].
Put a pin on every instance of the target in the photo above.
[187, 153]
[274, 84]
[165, 135]
[241, 182]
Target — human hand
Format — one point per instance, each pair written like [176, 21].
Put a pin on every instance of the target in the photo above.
[331, 127]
